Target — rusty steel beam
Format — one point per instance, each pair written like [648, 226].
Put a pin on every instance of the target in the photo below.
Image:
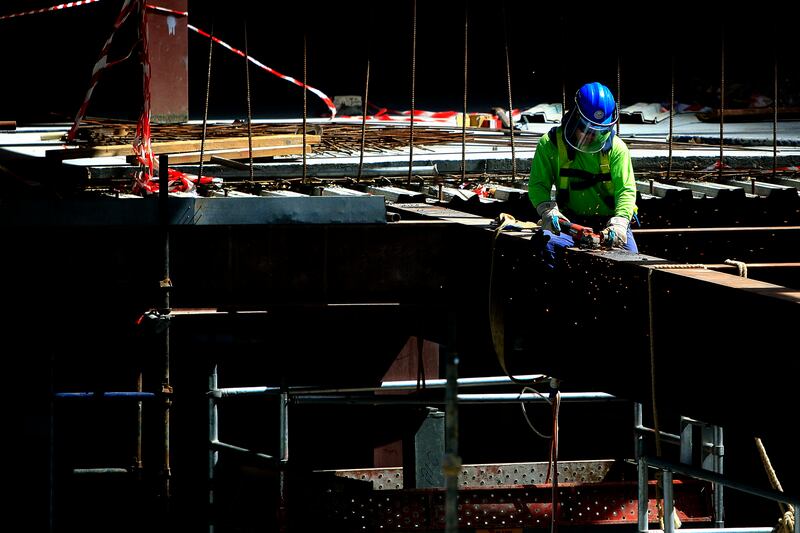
[628, 323]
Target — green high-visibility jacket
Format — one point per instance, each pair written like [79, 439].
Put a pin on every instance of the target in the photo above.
[589, 184]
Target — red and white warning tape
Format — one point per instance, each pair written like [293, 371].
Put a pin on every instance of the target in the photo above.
[59, 7]
[421, 117]
[101, 64]
[142, 144]
[167, 10]
[320, 94]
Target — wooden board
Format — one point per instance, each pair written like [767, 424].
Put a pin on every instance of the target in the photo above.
[267, 151]
[169, 147]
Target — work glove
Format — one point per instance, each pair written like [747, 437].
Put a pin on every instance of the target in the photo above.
[616, 232]
[550, 215]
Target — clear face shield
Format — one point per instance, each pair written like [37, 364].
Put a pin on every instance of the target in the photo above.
[586, 135]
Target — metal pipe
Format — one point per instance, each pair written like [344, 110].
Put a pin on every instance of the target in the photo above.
[124, 395]
[300, 399]
[51, 456]
[721, 530]
[244, 451]
[283, 489]
[91, 471]
[452, 461]
[796, 519]
[712, 477]
[644, 497]
[213, 436]
[137, 461]
[719, 467]
[669, 502]
[670, 438]
[410, 384]
[165, 285]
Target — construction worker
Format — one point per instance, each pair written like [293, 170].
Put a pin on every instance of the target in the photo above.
[591, 170]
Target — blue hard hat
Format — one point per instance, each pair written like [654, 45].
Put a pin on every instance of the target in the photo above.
[589, 125]
[596, 103]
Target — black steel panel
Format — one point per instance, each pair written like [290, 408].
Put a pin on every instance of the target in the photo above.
[196, 211]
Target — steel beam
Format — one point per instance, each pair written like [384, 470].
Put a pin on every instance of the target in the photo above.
[628, 323]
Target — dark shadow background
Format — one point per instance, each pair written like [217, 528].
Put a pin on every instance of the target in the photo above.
[48, 57]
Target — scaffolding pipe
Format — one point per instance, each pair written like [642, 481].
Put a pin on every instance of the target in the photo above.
[721, 530]
[410, 384]
[718, 456]
[138, 463]
[283, 489]
[713, 477]
[94, 471]
[136, 395]
[669, 502]
[217, 445]
[644, 497]
[301, 399]
[165, 285]
[452, 461]
[213, 436]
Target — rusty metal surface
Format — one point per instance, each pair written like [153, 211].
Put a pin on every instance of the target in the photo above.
[511, 507]
[492, 475]
[169, 63]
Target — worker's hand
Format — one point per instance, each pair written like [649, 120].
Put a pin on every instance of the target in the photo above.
[616, 232]
[550, 215]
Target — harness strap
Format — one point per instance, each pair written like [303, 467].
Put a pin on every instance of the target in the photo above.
[582, 179]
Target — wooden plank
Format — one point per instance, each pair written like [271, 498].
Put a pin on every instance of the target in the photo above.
[223, 143]
[267, 151]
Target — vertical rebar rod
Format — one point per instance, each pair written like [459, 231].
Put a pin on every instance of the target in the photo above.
[213, 437]
[619, 89]
[510, 101]
[452, 462]
[721, 99]
[363, 123]
[305, 105]
[249, 107]
[775, 112]
[671, 112]
[165, 285]
[413, 88]
[465, 118]
[563, 87]
[205, 105]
